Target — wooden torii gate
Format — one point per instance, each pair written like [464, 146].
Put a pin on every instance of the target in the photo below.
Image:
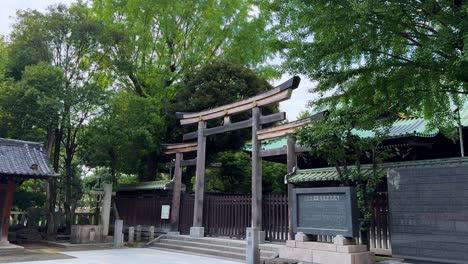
[253, 104]
[291, 151]
[178, 150]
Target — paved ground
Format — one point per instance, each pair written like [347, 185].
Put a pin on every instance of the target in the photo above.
[131, 255]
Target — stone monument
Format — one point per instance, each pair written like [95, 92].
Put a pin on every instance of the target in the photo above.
[325, 211]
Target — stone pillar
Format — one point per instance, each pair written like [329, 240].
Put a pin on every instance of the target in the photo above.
[151, 233]
[291, 163]
[176, 188]
[131, 234]
[6, 201]
[197, 230]
[138, 233]
[106, 206]
[252, 250]
[118, 235]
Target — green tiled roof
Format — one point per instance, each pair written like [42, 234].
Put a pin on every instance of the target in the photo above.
[416, 127]
[147, 186]
[330, 174]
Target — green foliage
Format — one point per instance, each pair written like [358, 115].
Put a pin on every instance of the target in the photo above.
[3, 58]
[31, 106]
[234, 176]
[396, 56]
[28, 43]
[30, 194]
[123, 136]
[303, 114]
[154, 44]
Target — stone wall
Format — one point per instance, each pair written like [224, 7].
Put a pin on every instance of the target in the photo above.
[429, 213]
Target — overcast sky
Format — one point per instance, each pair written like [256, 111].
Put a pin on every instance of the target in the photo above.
[8, 9]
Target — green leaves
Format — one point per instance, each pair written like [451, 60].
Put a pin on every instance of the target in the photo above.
[396, 56]
[32, 105]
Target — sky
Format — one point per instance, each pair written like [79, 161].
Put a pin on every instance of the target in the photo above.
[299, 99]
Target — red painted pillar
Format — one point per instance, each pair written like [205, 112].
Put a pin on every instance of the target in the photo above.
[6, 201]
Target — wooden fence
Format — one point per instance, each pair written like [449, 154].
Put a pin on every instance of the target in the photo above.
[145, 211]
[230, 215]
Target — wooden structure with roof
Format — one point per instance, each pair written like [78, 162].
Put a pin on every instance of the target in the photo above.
[19, 161]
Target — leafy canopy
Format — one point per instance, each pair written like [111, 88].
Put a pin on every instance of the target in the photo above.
[397, 56]
[154, 44]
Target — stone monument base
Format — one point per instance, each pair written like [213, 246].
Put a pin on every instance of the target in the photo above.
[326, 253]
[86, 234]
[197, 231]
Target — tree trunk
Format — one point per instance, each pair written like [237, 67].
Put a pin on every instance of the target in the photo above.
[53, 143]
[365, 238]
[151, 167]
[68, 186]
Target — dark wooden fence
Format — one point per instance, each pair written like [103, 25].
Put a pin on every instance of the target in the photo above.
[230, 215]
[145, 211]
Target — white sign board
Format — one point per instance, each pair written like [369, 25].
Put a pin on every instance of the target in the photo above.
[165, 211]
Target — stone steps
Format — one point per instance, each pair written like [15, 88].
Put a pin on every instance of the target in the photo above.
[224, 242]
[214, 247]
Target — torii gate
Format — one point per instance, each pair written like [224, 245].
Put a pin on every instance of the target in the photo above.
[278, 94]
[178, 150]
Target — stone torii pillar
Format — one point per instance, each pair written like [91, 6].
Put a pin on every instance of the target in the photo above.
[106, 206]
[178, 150]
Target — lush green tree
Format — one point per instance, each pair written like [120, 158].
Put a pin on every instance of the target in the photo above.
[28, 43]
[69, 36]
[3, 58]
[122, 137]
[30, 107]
[155, 44]
[234, 175]
[398, 56]
[30, 194]
[334, 139]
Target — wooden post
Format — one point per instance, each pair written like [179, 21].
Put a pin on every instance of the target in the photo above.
[291, 163]
[256, 172]
[197, 229]
[6, 211]
[254, 235]
[176, 188]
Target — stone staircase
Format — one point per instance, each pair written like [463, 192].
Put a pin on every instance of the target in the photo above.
[213, 247]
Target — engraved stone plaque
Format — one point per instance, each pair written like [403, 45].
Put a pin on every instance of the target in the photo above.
[429, 213]
[325, 211]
